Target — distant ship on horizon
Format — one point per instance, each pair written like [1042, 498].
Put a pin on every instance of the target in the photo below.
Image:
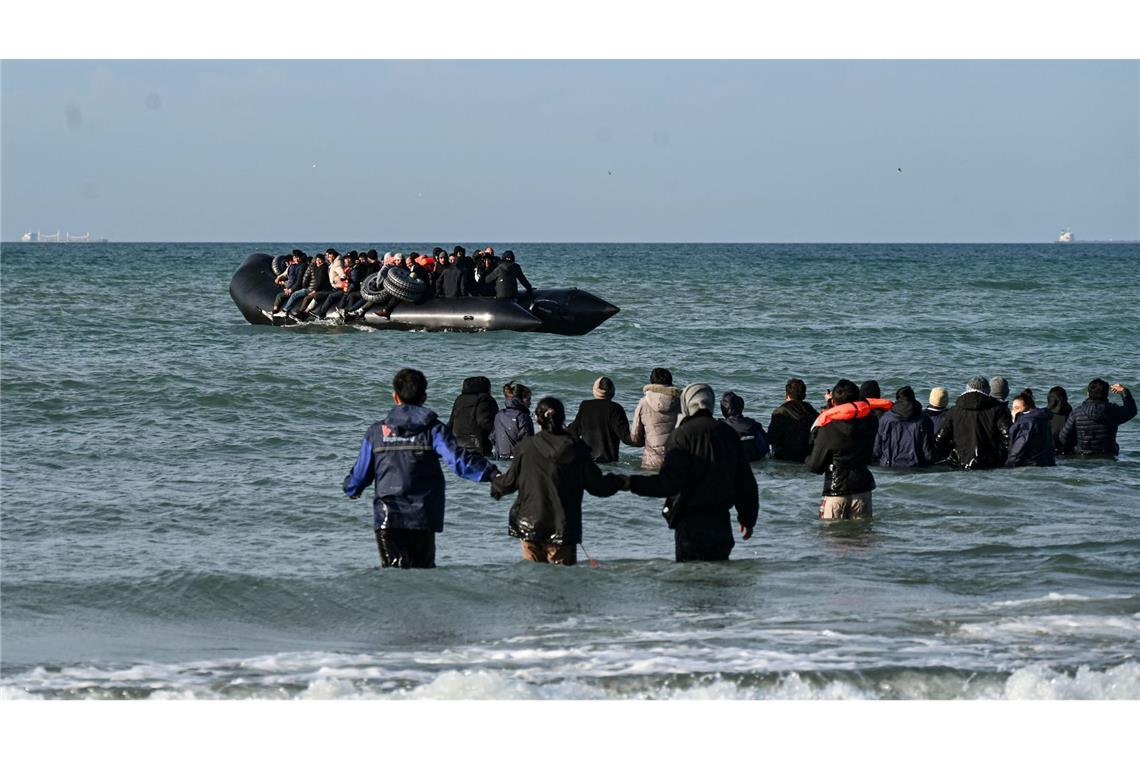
[57, 237]
[1066, 236]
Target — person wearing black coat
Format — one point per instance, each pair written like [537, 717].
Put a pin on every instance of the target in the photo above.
[1030, 436]
[753, 440]
[841, 453]
[936, 407]
[789, 430]
[868, 390]
[1091, 428]
[473, 416]
[975, 435]
[550, 471]
[452, 282]
[602, 423]
[507, 276]
[703, 476]
[905, 437]
[1058, 403]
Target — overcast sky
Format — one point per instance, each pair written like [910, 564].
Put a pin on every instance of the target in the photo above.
[725, 151]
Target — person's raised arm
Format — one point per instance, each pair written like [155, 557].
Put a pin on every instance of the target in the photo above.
[1128, 410]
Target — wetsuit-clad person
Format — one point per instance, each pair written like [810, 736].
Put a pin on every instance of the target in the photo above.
[1091, 428]
[401, 454]
[550, 471]
[506, 278]
[704, 475]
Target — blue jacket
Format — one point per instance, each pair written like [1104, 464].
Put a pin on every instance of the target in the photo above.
[401, 455]
[294, 274]
[1031, 440]
[905, 437]
[512, 425]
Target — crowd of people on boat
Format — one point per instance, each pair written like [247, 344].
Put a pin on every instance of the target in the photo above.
[701, 465]
[332, 284]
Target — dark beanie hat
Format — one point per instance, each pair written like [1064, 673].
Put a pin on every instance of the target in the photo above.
[870, 389]
[459, 249]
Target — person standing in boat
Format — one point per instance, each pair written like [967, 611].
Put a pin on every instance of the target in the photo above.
[506, 278]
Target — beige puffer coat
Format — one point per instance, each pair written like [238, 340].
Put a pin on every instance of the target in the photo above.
[653, 421]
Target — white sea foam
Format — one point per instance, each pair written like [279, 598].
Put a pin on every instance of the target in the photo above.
[1088, 626]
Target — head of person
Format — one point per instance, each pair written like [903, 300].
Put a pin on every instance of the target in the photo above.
[1022, 402]
[488, 251]
[905, 392]
[1058, 398]
[844, 392]
[697, 398]
[319, 260]
[409, 386]
[604, 388]
[517, 391]
[999, 388]
[660, 376]
[477, 384]
[550, 415]
[451, 259]
[373, 254]
[509, 256]
[297, 256]
[1098, 390]
[870, 389]
[460, 251]
[331, 253]
[978, 383]
[795, 390]
[437, 251]
[731, 405]
[939, 398]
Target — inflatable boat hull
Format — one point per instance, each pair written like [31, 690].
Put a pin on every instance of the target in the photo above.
[565, 311]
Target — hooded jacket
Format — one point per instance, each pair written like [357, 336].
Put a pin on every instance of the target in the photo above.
[550, 471]
[1060, 408]
[473, 416]
[905, 437]
[704, 474]
[512, 424]
[753, 441]
[401, 454]
[506, 278]
[841, 453]
[602, 425]
[452, 282]
[1091, 428]
[1031, 440]
[789, 430]
[653, 420]
[975, 434]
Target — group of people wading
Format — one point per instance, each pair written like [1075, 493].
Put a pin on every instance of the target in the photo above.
[345, 286]
[703, 464]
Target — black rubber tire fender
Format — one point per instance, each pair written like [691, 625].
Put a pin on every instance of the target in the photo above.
[403, 286]
[372, 289]
[280, 265]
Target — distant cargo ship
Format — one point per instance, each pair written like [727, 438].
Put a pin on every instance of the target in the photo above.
[57, 237]
[1066, 236]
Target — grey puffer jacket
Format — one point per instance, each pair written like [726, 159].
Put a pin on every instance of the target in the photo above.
[653, 420]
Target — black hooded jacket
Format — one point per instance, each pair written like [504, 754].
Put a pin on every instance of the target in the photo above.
[841, 453]
[473, 416]
[1091, 428]
[704, 472]
[789, 430]
[506, 278]
[975, 434]
[451, 282]
[550, 471]
[1059, 406]
[601, 424]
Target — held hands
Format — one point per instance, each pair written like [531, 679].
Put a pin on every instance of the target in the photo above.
[1117, 388]
[745, 533]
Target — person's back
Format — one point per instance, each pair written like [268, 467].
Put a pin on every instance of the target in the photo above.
[1058, 405]
[550, 471]
[789, 429]
[1091, 428]
[601, 423]
[841, 452]
[452, 282]
[507, 276]
[975, 434]
[655, 417]
[704, 475]
[400, 455]
[514, 422]
[905, 436]
[935, 409]
[753, 440]
[1031, 434]
[473, 415]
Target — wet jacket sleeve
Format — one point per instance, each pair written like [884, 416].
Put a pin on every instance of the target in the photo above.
[461, 461]
[522, 278]
[508, 483]
[1068, 430]
[926, 425]
[637, 429]
[598, 483]
[1018, 441]
[877, 449]
[747, 494]
[819, 457]
[762, 440]
[776, 433]
[619, 425]
[676, 470]
[944, 441]
[1122, 414]
[361, 474]
[485, 411]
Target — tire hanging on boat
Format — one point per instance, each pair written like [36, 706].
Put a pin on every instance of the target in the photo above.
[403, 286]
[280, 265]
[372, 288]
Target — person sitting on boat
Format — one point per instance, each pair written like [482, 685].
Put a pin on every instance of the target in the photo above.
[290, 280]
[319, 288]
[506, 278]
[346, 290]
[315, 275]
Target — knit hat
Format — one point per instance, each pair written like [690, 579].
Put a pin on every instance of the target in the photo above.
[603, 388]
[696, 397]
[939, 397]
[999, 388]
[978, 383]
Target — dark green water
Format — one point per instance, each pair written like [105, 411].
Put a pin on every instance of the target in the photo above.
[172, 522]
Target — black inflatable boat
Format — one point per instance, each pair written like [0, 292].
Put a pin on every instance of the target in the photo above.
[565, 311]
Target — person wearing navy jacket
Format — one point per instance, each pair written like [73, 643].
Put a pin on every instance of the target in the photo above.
[905, 437]
[401, 454]
[1031, 435]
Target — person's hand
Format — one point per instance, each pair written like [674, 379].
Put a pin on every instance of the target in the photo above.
[745, 533]
[624, 485]
[1117, 388]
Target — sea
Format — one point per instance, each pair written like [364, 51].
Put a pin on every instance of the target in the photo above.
[172, 524]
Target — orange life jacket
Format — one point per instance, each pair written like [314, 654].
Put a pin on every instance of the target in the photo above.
[855, 410]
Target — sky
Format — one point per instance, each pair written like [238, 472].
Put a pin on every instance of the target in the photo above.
[571, 151]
